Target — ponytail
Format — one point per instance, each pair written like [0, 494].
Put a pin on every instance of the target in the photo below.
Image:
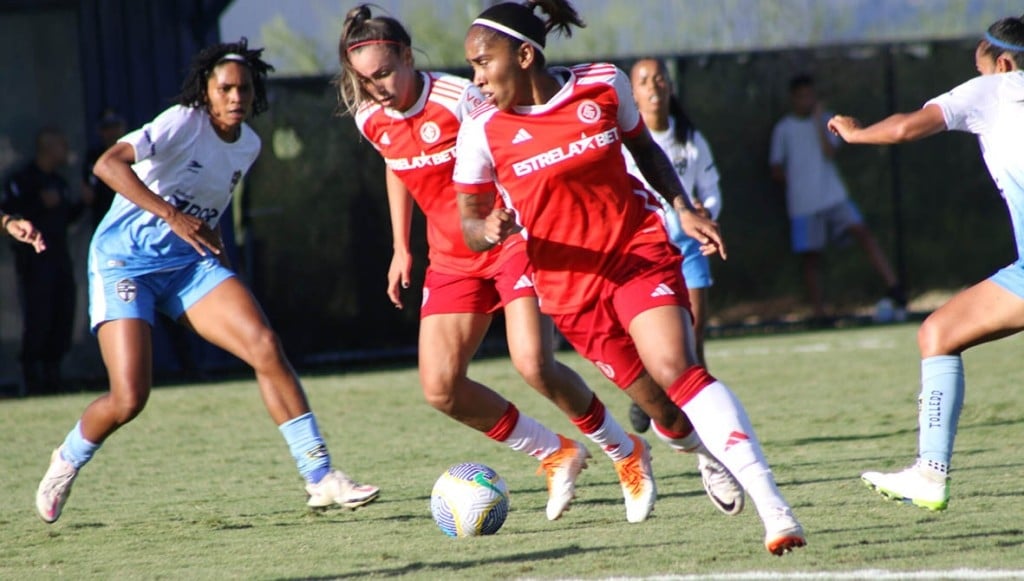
[519, 24]
[362, 29]
[561, 16]
[684, 129]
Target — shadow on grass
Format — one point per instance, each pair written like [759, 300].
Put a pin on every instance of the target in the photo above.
[86, 525]
[881, 435]
[444, 568]
[1006, 537]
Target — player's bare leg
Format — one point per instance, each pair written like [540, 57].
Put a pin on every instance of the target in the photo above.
[447, 344]
[984, 312]
[230, 318]
[662, 337]
[126, 348]
[531, 346]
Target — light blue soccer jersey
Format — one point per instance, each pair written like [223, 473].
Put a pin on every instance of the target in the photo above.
[181, 158]
[992, 107]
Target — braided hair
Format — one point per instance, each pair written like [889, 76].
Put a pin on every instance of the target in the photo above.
[193, 89]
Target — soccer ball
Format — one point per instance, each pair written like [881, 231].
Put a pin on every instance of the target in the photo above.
[469, 500]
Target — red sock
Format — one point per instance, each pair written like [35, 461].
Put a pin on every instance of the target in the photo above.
[506, 423]
[592, 419]
[670, 434]
[689, 384]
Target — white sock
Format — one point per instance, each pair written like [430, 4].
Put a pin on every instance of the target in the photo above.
[615, 442]
[690, 444]
[532, 437]
[718, 416]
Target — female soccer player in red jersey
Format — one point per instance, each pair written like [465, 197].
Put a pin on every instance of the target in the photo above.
[412, 118]
[550, 141]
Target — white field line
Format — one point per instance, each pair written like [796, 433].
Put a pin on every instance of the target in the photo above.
[866, 574]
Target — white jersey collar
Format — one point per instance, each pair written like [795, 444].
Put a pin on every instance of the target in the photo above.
[563, 75]
[417, 107]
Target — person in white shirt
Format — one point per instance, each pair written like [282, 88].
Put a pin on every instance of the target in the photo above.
[992, 107]
[691, 157]
[803, 158]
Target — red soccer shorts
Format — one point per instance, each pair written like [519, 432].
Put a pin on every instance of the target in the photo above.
[512, 278]
[651, 276]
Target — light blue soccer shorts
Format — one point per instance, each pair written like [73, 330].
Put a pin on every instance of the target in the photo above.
[116, 293]
[810, 233]
[696, 266]
[1011, 277]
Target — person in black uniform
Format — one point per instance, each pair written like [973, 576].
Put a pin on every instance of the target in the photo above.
[97, 195]
[46, 287]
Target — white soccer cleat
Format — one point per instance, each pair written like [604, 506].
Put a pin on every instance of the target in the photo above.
[915, 485]
[562, 468]
[336, 488]
[782, 532]
[722, 488]
[55, 487]
[637, 480]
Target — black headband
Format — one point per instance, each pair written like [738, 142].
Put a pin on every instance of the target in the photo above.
[515, 20]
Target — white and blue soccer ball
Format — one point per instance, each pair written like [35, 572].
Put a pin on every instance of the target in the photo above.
[469, 500]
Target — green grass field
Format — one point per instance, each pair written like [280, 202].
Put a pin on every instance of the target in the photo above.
[202, 485]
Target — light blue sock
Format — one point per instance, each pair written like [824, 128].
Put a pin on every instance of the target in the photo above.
[942, 397]
[307, 447]
[76, 449]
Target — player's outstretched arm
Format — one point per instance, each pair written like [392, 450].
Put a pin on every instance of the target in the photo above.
[114, 167]
[657, 169]
[898, 128]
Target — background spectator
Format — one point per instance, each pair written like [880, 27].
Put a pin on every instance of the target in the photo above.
[803, 158]
[46, 287]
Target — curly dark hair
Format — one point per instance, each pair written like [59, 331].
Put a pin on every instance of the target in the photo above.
[193, 89]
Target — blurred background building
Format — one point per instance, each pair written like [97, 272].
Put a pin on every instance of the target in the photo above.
[312, 221]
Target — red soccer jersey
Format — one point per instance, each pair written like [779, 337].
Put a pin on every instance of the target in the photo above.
[418, 145]
[560, 166]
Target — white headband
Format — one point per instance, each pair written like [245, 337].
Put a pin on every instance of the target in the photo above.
[233, 56]
[513, 33]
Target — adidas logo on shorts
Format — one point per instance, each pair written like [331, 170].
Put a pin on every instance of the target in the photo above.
[663, 290]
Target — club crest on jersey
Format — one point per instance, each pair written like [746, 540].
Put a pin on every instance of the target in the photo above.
[126, 290]
[588, 111]
[606, 369]
[430, 132]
